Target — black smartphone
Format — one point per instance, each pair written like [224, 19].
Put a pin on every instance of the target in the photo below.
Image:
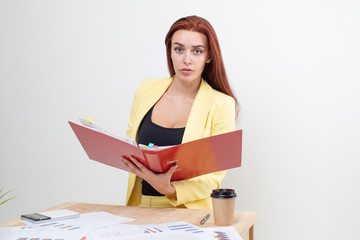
[35, 217]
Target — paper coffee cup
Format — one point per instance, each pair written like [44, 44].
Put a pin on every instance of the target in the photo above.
[223, 201]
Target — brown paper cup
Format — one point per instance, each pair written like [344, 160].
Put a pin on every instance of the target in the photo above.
[223, 201]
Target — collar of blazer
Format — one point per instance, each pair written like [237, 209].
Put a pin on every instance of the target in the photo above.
[198, 114]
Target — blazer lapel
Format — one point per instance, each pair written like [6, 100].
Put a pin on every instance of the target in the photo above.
[148, 101]
[199, 113]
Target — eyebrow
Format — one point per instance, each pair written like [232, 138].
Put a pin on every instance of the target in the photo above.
[196, 46]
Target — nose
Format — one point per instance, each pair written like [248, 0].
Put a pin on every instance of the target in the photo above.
[187, 58]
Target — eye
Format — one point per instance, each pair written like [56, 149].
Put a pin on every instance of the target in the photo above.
[179, 50]
[198, 51]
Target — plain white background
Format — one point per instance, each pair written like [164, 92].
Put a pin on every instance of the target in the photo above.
[294, 66]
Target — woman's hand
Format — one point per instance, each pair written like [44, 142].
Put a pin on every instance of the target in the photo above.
[161, 182]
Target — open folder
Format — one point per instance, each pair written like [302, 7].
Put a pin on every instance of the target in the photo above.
[195, 158]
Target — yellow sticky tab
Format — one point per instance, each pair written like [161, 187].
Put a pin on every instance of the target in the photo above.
[88, 120]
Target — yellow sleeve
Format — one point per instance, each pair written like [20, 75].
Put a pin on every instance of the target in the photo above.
[224, 118]
[133, 111]
[196, 189]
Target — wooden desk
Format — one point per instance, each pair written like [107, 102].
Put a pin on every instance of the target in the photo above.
[243, 221]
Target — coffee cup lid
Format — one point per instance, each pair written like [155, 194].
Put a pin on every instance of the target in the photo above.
[223, 193]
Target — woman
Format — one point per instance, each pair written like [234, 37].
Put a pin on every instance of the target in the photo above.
[195, 102]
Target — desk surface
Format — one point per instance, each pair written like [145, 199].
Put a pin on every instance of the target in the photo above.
[243, 221]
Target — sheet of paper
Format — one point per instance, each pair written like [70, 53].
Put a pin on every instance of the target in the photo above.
[174, 231]
[88, 124]
[177, 230]
[112, 231]
[20, 233]
[65, 229]
[178, 235]
[106, 226]
[223, 233]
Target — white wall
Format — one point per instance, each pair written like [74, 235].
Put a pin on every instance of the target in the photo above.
[293, 64]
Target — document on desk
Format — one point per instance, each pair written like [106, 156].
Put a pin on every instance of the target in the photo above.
[181, 236]
[173, 230]
[105, 226]
[65, 229]
[223, 233]
[195, 158]
[120, 229]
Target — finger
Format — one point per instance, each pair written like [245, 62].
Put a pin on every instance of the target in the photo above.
[126, 163]
[131, 167]
[126, 160]
[139, 164]
[129, 162]
[125, 157]
[171, 170]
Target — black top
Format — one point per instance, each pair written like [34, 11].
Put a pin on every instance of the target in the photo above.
[150, 132]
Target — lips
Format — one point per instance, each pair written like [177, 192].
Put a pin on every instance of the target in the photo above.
[186, 70]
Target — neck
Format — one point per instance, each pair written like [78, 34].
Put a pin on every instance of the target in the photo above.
[186, 89]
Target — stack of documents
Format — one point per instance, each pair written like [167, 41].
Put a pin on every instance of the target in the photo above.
[173, 231]
[70, 229]
[106, 226]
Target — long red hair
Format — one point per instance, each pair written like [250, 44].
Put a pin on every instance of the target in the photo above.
[214, 72]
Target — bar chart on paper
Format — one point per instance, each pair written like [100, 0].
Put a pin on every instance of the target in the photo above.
[221, 235]
[67, 229]
[61, 226]
[31, 238]
[172, 227]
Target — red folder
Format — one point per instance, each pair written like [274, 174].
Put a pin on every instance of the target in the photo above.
[195, 158]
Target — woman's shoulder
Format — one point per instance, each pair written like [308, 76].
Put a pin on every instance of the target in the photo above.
[219, 96]
[223, 97]
[152, 86]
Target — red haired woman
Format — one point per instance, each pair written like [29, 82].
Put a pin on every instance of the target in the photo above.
[195, 102]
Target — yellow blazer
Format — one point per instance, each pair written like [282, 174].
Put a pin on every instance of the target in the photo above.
[212, 113]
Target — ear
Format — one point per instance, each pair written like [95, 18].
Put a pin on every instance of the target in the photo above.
[208, 59]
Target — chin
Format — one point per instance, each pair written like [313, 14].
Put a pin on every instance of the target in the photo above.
[188, 78]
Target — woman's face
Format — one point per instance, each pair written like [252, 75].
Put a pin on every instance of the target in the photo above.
[189, 54]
